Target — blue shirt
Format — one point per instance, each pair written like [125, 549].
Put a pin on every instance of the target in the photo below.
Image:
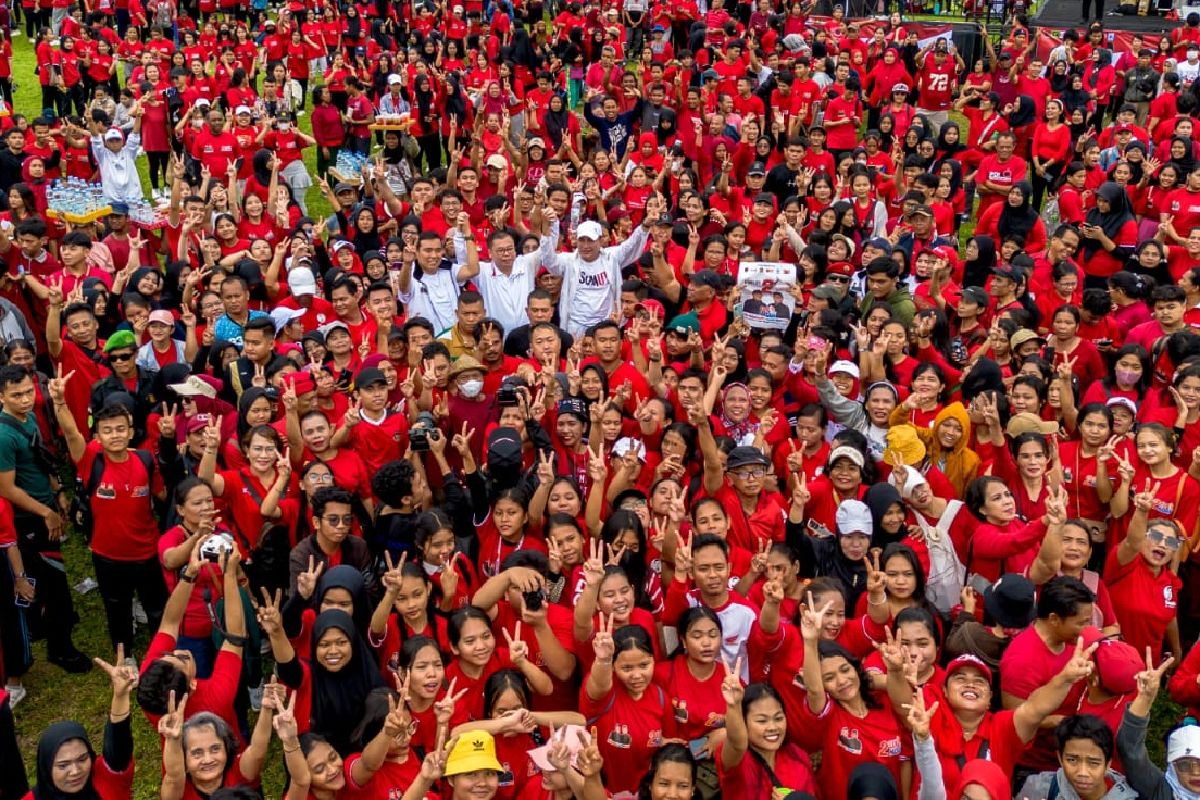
[229, 331]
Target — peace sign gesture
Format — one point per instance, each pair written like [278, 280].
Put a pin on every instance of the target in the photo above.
[812, 620]
[57, 387]
[306, 582]
[876, 579]
[1080, 665]
[593, 567]
[919, 717]
[518, 650]
[170, 725]
[891, 651]
[602, 641]
[284, 720]
[1149, 682]
[124, 677]
[732, 690]
[683, 559]
[1143, 501]
[166, 423]
[758, 561]
[269, 617]
[398, 719]
[444, 709]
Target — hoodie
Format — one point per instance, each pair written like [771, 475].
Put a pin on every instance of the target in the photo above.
[901, 301]
[1039, 785]
[960, 465]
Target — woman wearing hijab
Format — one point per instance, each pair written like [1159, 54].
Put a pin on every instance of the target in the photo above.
[1109, 235]
[1099, 77]
[333, 686]
[426, 128]
[1015, 217]
[67, 766]
[977, 267]
[1182, 156]
[949, 143]
[872, 781]
[341, 587]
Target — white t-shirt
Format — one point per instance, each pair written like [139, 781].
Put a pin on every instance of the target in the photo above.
[434, 297]
[592, 299]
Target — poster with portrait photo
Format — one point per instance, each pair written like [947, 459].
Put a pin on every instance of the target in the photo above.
[765, 300]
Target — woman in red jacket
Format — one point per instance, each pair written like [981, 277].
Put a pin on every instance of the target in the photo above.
[1051, 150]
[327, 129]
[1109, 235]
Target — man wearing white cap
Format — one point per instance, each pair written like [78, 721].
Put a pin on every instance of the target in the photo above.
[302, 286]
[392, 103]
[246, 135]
[591, 288]
[115, 156]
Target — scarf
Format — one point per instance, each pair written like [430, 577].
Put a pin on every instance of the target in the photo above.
[53, 738]
[1171, 776]
[1118, 214]
[1019, 220]
[338, 697]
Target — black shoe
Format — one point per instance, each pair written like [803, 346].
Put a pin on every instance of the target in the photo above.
[73, 661]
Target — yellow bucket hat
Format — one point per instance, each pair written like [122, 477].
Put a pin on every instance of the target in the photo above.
[472, 752]
[902, 441]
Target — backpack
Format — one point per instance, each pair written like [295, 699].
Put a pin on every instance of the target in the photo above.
[80, 513]
[266, 564]
[946, 572]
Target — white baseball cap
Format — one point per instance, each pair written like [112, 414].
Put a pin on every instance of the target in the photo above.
[301, 282]
[282, 316]
[589, 230]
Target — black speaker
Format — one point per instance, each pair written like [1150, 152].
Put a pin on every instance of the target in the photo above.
[969, 44]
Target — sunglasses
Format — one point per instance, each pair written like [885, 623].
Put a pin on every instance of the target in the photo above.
[120, 356]
[838, 278]
[1158, 537]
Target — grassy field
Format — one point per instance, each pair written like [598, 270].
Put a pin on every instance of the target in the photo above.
[54, 695]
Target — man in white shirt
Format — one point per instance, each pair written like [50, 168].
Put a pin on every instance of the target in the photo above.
[506, 281]
[116, 157]
[591, 289]
[433, 292]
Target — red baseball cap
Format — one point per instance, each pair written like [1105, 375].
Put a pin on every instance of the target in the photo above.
[654, 307]
[968, 660]
[840, 268]
[301, 382]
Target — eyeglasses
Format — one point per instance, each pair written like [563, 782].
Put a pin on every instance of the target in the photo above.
[838, 278]
[1190, 766]
[746, 474]
[318, 477]
[344, 520]
[1172, 542]
[120, 356]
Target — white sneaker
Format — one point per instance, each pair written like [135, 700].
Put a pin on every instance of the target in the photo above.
[139, 613]
[300, 112]
[16, 694]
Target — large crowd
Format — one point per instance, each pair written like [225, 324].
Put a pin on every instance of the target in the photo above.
[409, 373]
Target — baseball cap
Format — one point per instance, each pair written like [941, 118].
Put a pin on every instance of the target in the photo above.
[653, 306]
[851, 453]
[923, 210]
[853, 516]
[844, 366]
[589, 230]
[503, 450]
[344, 187]
[369, 377]
[879, 243]
[301, 282]
[496, 161]
[535, 142]
[841, 237]
[745, 457]
[827, 292]
[1011, 271]
[1024, 335]
[118, 209]
[394, 80]
[301, 382]
[757, 168]
[194, 386]
[114, 135]
[242, 110]
[900, 87]
[282, 316]
[1010, 601]
[1183, 743]
[968, 660]
[576, 407]
[976, 295]
[162, 317]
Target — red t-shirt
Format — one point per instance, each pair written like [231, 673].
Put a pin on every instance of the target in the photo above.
[697, 707]
[849, 741]
[1145, 603]
[124, 527]
[630, 731]
[214, 693]
[380, 443]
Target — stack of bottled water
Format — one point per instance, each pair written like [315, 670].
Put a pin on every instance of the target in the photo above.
[350, 164]
[144, 215]
[76, 198]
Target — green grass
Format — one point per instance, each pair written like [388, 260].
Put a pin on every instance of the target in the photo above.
[54, 695]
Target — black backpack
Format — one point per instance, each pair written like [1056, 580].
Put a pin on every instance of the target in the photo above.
[80, 512]
[266, 566]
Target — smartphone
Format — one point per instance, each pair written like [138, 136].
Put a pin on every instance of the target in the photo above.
[21, 602]
[697, 746]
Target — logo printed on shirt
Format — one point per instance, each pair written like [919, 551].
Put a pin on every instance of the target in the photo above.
[1169, 597]
[850, 741]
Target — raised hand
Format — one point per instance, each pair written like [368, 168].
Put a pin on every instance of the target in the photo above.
[124, 678]
[306, 582]
[57, 387]
[1080, 666]
[919, 717]
[732, 690]
[170, 725]
[518, 650]
[269, 617]
[284, 720]
[602, 641]
[812, 620]
[444, 709]
[1143, 501]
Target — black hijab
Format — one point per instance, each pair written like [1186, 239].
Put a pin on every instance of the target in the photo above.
[347, 577]
[975, 273]
[1019, 220]
[52, 739]
[557, 124]
[946, 149]
[244, 402]
[872, 779]
[1024, 114]
[261, 164]
[1188, 162]
[1111, 223]
[1060, 83]
[338, 697]
[879, 498]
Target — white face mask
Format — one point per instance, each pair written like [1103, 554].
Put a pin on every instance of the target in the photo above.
[470, 389]
[1193, 55]
[285, 126]
[197, 123]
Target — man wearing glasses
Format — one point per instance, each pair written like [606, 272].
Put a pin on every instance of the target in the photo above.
[120, 351]
[755, 513]
[330, 542]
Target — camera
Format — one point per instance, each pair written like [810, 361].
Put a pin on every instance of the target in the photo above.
[216, 547]
[534, 599]
[422, 432]
[506, 395]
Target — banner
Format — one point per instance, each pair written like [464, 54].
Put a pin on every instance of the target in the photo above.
[765, 300]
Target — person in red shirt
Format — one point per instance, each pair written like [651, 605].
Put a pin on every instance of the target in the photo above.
[842, 117]
[1108, 235]
[997, 173]
[124, 530]
[937, 78]
[215, 147]
[1143, 586]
